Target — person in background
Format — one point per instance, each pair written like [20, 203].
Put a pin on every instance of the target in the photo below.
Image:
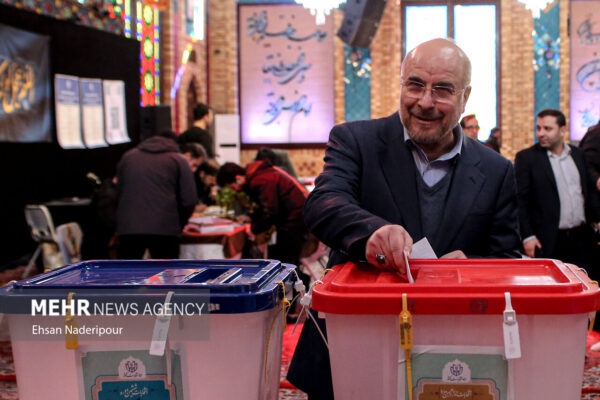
[157, 195]
[280, 199]
[198, 133]
[494, 142]
[470, 126]
[557, 198]
[590, 144]
[206, 183]
[278, 158]
[194, 153]
[388, 182]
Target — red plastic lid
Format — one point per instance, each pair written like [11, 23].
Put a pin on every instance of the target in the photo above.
[474, 286]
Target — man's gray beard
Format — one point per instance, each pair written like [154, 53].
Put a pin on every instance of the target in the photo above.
[423, 139]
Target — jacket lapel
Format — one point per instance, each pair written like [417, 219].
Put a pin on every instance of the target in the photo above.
[467, 182]
[399, 170]
[544, 162]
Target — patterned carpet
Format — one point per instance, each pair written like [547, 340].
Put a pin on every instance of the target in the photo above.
[591, 373]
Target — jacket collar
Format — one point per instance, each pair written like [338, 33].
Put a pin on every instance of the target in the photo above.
[400, 173]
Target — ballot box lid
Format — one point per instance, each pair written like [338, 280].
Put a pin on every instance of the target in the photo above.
[231, 286]
[471, 286]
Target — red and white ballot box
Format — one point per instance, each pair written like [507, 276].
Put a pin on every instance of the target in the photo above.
[480, 329]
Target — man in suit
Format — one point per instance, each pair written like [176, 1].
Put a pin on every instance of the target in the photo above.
[590, 144]
[557, 199]
[414, 174]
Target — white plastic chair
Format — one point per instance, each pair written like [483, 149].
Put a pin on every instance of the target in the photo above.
[42, 231]
[69, 237]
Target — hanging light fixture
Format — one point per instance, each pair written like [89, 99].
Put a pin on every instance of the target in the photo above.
[320, 8]
[536, 6]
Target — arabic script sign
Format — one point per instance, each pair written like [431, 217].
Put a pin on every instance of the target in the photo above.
[286, 75]
[585, 66]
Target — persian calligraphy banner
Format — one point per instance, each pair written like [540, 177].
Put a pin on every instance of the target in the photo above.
[585, 66]
[286, 75]
[24, 86]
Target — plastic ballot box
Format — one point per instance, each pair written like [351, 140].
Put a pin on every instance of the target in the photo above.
[178, 329]
[465, 329]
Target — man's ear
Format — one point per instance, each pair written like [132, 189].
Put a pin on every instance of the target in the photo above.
[563, 130]
[466, 97]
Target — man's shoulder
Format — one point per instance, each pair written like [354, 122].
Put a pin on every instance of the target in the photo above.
[574, 149]
[371, 123]
[485, 153]
[192, 132]
[366, 129]
[529, 151]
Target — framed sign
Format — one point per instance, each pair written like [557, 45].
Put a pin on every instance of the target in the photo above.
[286, 75]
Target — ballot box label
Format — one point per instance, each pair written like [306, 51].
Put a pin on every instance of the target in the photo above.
[135, 374]
[456, 373]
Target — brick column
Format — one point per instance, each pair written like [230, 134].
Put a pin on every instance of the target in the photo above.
[517, 83]
[385, 61]
[222, 56]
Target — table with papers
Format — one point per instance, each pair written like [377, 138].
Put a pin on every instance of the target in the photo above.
[209, 237]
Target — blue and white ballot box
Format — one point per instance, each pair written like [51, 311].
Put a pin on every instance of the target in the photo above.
[152, 329]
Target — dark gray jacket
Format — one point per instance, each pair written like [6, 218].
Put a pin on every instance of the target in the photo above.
[157, 193]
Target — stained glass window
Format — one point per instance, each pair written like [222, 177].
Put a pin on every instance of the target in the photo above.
[147, 32]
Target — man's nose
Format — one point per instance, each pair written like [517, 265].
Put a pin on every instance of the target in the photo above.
[427, 100]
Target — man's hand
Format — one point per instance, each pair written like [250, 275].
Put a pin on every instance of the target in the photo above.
[598, 184]
[454, 254]
[531, 245]
[389, 243]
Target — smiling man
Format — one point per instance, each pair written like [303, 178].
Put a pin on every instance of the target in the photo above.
[557, 197]
[391, 181]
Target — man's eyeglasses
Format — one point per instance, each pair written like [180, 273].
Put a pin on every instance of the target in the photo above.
[439, 94]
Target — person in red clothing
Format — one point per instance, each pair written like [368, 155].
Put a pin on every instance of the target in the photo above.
[280, 199]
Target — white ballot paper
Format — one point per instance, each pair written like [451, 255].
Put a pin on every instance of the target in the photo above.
[421, 249]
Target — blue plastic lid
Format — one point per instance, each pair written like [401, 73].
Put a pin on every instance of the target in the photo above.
[233, 286]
